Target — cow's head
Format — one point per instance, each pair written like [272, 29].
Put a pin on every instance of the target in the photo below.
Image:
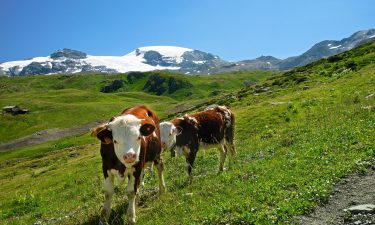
[168, 133]
[126, 133]
[186, 128]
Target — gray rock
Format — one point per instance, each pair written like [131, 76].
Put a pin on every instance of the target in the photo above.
[365, 208]
[68, 53]
[277, 103]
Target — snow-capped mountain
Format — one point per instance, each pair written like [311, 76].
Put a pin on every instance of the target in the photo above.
[150, 58]
[183, 60]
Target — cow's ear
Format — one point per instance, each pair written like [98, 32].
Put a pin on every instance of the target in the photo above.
[147, 129]
[102, 133]
[191, 121]
[177, 130]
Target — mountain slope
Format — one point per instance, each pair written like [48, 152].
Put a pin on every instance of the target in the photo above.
[320, 50]
[327, 48]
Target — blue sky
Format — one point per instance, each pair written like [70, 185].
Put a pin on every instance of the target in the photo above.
[232, 29]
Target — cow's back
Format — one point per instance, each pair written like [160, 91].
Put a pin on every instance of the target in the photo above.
[210, 126]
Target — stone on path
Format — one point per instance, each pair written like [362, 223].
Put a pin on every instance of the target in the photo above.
[365, 208]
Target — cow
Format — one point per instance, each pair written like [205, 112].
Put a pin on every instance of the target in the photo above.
[129, 143]
[168, 134]
[213, 126]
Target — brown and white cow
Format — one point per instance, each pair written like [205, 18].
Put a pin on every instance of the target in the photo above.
[213, 126]
[129, 142]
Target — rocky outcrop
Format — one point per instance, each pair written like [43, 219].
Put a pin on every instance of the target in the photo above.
[68, 53]
[114, 86]
[159, 85]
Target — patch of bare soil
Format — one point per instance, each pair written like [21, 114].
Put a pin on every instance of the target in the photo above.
[46, 135]
[354, 190]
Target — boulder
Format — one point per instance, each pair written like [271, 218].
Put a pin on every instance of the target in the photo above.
[365, 208]
[114, 86]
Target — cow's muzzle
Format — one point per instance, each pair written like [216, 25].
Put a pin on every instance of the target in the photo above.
[130, 157]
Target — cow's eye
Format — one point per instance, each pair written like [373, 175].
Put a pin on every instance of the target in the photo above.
[139, 138]
[115, 141]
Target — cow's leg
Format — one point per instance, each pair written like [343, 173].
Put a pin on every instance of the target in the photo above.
[189, 164]
[229, 138]
[160, 167]
[131, 192]
[149, 166]
[108, 192]
[231, 149]
[120, 180]
[223, 154]
[172, 150]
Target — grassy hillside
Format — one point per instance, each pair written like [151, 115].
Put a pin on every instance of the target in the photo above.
[294, 143]
[61, 101]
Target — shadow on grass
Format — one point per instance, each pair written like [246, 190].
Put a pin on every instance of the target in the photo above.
[118, 213]
[117, 217]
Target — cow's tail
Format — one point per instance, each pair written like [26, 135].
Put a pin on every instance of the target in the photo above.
[229, 128]
[230, 134]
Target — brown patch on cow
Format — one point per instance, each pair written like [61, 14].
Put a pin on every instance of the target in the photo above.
[142, 112]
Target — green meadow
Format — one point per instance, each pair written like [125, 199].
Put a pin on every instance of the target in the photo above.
[309, 128]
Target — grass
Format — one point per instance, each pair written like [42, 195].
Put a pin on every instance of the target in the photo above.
[290, 155]
[66, 108]
[63, 101]
[288, 158]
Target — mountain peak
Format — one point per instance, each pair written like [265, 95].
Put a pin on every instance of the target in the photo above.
[166, 51]
[68, 53]
[363, 33]
[267, 58]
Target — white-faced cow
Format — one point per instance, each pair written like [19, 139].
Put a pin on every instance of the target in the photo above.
[213, 126]
[168, 134]
[129, 142]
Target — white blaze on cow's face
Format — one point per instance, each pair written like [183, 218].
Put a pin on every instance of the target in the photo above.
[126, 138]
[168, 134]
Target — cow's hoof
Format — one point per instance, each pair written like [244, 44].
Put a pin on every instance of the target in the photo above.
[104, 214]
[131, 221]
[162, 192]
[102, 222]
[220, 171]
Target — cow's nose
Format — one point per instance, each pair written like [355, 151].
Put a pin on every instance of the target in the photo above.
[163, 144]
[129, 157]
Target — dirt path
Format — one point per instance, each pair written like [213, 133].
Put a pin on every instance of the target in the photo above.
[354, 190]
[46, 135]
